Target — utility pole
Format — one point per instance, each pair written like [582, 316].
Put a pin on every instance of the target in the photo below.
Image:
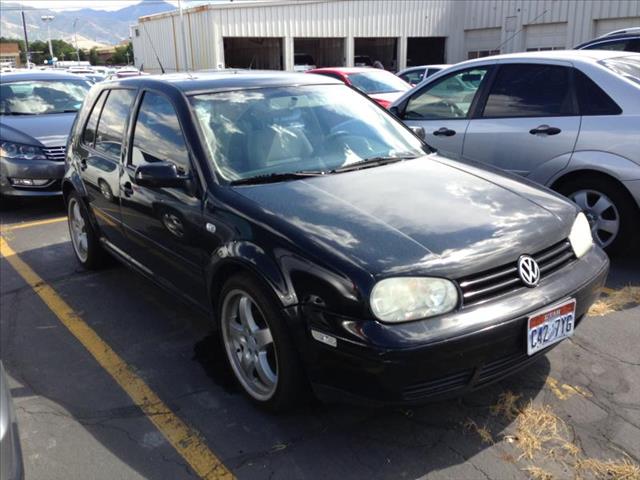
[75, 32]
[48, 19]
[27, 53]
[184, 38]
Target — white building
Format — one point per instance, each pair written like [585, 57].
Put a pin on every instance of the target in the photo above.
[271, 34]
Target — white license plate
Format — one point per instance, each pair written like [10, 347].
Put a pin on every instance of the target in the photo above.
[550, 325]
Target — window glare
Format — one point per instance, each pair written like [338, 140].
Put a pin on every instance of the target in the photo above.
[291, 129]
[42, 96]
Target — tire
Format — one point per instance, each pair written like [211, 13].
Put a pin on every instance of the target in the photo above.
[588, 193]
[84, 239]
[241, 345]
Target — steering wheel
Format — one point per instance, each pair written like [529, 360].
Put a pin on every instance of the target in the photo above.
[455, 109]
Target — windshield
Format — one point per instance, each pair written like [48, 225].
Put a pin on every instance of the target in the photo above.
[378, 81]
[34, 97]
[628, 67]
[317, 128]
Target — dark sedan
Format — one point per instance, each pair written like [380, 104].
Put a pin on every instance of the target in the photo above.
[37, 109]
[329, 245]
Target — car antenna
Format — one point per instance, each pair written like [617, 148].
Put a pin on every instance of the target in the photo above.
[153, 48]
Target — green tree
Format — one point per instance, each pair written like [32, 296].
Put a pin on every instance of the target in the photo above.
[93, 56]
[123, 55]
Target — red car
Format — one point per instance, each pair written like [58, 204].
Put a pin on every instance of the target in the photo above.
[382, 86]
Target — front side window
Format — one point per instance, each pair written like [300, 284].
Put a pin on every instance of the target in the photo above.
[38, 97]
[530, 90]
[157, 136]
[112, 122]
[316, 128]
[450, 97]
[377, 81]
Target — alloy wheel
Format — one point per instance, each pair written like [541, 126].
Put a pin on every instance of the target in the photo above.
[249, 345]
[602, 214]
[78, 230]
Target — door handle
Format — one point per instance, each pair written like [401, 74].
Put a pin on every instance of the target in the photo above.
[127, 189]
[545, 130]
[445, 132]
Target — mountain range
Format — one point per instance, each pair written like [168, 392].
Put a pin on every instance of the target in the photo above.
[93, 26]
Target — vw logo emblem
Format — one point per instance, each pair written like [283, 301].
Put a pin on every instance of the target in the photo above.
[529, 271]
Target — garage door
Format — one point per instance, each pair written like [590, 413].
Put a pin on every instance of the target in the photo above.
[482, 42]
[606, 25]
[550, 36]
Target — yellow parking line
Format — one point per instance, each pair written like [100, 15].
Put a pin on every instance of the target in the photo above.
[36, 223]
[186, 440]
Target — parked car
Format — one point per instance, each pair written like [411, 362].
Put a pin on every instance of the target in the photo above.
[303, 62]
[626, 40]
[37, 109]
[325, 241]
[382, 86]
[569, 120]
[11, 466]
[415, 75]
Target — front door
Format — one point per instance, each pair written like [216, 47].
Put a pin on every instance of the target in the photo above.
[163, 225]
[529, 123]
[443, 108]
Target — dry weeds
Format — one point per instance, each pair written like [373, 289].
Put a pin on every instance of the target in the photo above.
[507, 405]
[624, 469]
[539, 428]
[483, 432]
[537, 473]
[616, 300]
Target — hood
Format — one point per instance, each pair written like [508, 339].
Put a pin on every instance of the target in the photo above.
[423, 216]
[49, 130]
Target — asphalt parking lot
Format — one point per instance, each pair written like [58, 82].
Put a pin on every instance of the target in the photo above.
[573, 414]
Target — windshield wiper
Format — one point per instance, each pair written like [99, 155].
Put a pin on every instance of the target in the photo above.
[17, 113]
[276, 177]
[371, 162]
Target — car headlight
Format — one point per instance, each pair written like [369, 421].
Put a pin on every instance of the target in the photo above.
[403, 299]
[580, 236]
[18, 150]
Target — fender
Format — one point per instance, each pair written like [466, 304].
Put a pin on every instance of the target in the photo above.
[247, 255]
[615, 166]
[545, 172]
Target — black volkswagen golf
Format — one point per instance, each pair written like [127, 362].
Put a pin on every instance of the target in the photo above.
[326, 241]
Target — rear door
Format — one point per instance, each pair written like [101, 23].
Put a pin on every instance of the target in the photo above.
[443, 108]
[529, 122]
[163, 225]
[100, 150]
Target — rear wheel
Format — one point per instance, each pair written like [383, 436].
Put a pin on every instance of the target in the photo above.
[611, 213]
[84, 240]
[258, 345]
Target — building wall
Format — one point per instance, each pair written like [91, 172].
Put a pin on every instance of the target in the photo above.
[508, 26]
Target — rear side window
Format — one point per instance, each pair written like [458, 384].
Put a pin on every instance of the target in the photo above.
[592, 100]
[533, 90]
[157, 136]
[620, 45]
[89, 134]
[414, 76]
[113, 120]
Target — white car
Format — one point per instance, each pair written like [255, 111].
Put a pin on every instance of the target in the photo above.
[415, 75]
[568, 119]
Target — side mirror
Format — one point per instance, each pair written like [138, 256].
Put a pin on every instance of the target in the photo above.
[395, 111]
[419, 131]
[159, 175]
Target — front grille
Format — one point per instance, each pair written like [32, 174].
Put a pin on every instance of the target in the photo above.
[439, 386]
[498, 281]
[56, 154]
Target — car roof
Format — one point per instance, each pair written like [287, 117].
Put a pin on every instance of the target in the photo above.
[37, 75]
[622, 31]
[346, 70]
[221, 80]
[588, 56]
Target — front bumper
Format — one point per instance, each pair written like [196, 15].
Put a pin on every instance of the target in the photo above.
[32, 169]
[412, 363]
